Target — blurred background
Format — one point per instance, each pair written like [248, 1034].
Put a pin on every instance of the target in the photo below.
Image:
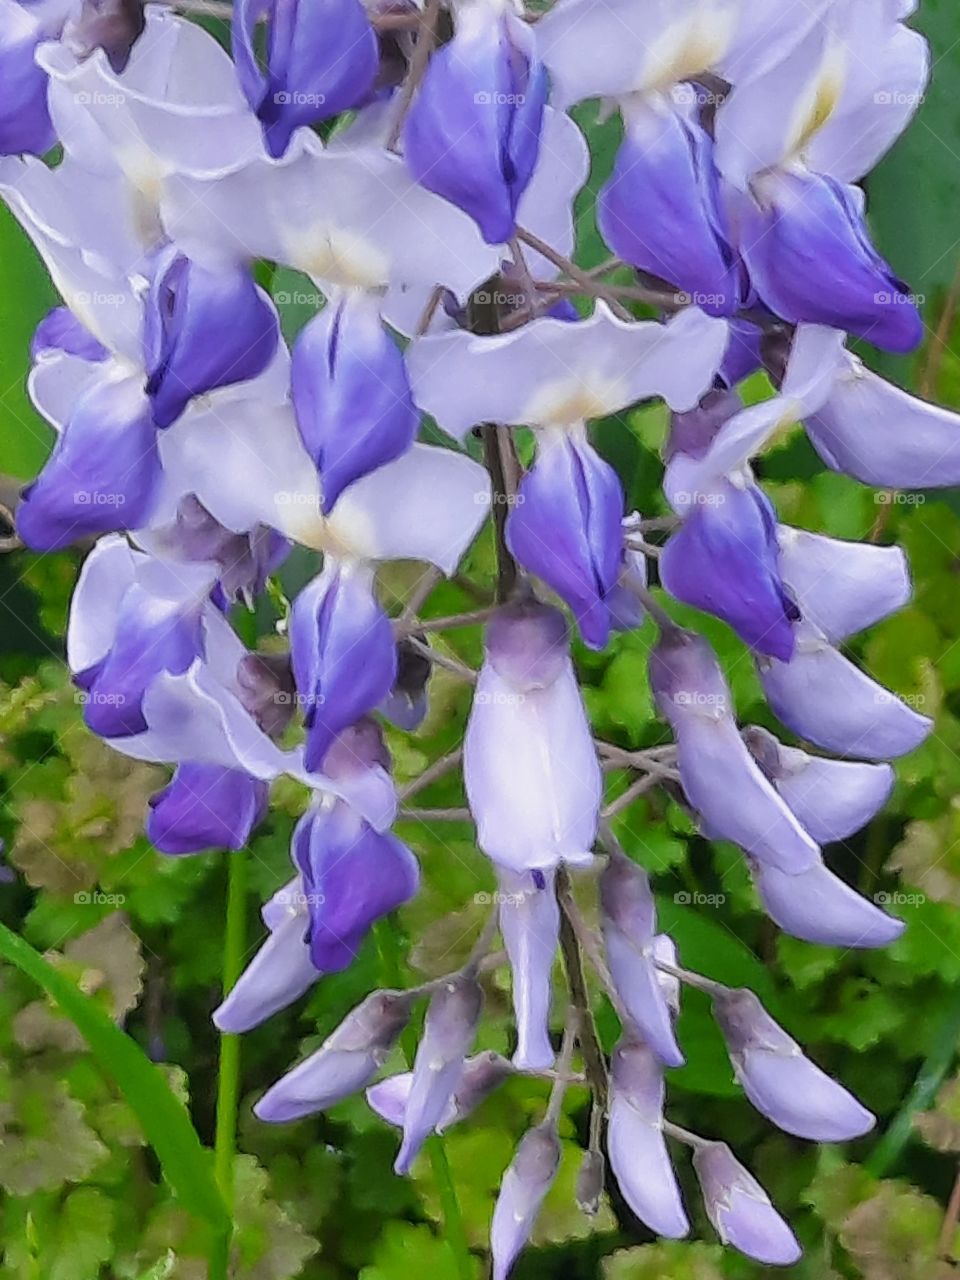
[143, 934]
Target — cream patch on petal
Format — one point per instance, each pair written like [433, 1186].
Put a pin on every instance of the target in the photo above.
[335, 255]
[570, 403]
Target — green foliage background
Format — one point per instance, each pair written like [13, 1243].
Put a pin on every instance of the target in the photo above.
[143, 935]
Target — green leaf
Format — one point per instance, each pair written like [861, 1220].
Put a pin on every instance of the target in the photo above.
[186, 1165]
[25, 297]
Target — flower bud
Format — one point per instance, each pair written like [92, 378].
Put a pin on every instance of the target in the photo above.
[782, 1084]
[345, 1063]
[522, 1193]
[740, 1209]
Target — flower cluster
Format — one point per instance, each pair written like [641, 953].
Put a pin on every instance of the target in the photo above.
[421, 173]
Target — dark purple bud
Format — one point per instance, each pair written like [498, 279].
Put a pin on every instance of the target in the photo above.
[321, 58]
[567, 528]
[636, 1146]
[448, 1034]
[661, 211]
[186, 304]
[473, 132]
[406, 704]
[590, 1180]
[103, 474]
[719, 776]
[629, 930]
[346, 1062]
[111, 25]
[351, 393]
[206, 807]
[782, 1084]
[522, 1193]
[742, 356]
[793, 220]
[692, 433]
[246, 560]
[266, 690]
[740, 1209]
[352, 876]
[344, 655]
[725, 559]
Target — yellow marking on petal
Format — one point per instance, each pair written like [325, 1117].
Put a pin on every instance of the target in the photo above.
[338, 256]
[146, 176]
[567, 404]
[689, 47]
[820, 101]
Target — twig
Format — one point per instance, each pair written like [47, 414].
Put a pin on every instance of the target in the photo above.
[419, 596]
[500, 455]
[441, 660]
[685, 1136]
[593, 1059]
[563, 1069]
[692, 979]
[635, 790]
[431, 774]
[434, 815]
[445, 624]
[423, 48]
[573, 271]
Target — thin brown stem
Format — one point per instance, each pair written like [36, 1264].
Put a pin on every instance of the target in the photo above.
[442, 660]
[426, 39]
[434, 771]
[572, 270]
[434, 815]
[593, 1060]
[503, 464]
[451, 623]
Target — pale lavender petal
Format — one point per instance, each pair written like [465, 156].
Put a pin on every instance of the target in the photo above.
[345, 1063]
[842, 587]
[448, 1034]
[522, 1192]
[639, 1159]
[880, 435]
[782, 1084]
[278, 974]
[530, 925]
[551, 372]
[819, 907]
[740, 1209]
[832, 799]
[719, 776]
[823, 697]
[629, 935]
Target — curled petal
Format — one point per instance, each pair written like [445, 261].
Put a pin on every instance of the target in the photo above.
[638, 1152]
[782, 1084]
[522, 1192]
[206, 807]
[740, 1209]
[842, 587]
[818, 907]
[823, 697]
[278, 974]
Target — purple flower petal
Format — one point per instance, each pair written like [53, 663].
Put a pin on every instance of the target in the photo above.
[639, 1159]
[818, 907]
[321, 59]
[186, 303]
[740, 1209]
[660, 209]
[824, 698]
[782, 1084]
[566, 527]
[103, 474]
[278, 974]
[832, 799]
[351, 394]
[344, 656]
[448, 1034]
[806, 247]
[206, 807]
[522, 1193]
[473, 132]
[725, 559]
[25, 126]
[530, 925]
